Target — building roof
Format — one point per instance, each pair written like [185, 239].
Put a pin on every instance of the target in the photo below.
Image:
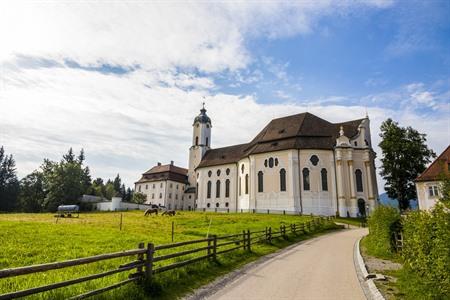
[300, 131]
[165, 172]
[437, 167]
[202, 117]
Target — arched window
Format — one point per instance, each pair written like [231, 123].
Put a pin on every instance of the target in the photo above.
[208, 205]
[283, 180]
[217, 204]
[227, 171]
[324, 176]
[260, 182]
[209, 173]
[227, 204]
[271, 162]
[196, 141]
[246, 184]
[218, 189]
[227, 188]
[208, 191]
[359, 182]
[207, 141]
[306, 185]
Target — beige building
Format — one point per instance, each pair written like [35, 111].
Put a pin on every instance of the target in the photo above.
[298, 164]
[165, 185]
[427, 184]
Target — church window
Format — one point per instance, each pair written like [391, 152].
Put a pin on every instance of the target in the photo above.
[271, 162]
[242, 169]
[170, 195]
[218, 172]
[218, 189]
[323, 174]
[146, 186]
[161, 184]
[260, 182]
[208, 190]
[207, 142]
[160, 195]
[227, 188]
[314, 160]
[153, 196]
[227, 171]
[265, 163]
[359, 182]
[283, 180]
[177, 186]
[176, 196]
[209, 173]
[217, 204]
[227, 204]
[196, 141]
[276, 161]
[306, 185]
[246, 184]
[208, 205]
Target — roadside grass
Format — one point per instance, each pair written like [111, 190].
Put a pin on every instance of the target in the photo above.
[27, 239]
[351, 221]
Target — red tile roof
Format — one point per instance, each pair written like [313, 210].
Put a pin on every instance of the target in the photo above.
[165, 172]
[437, 167]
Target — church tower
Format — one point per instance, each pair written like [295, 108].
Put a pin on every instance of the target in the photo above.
[201, 141]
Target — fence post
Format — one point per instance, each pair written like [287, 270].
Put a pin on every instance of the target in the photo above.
[214, 247]
[149, 261]
[244, 239]
[209, 245]
[270, 234]
[266, 235]
[140, 257]
[248, 241]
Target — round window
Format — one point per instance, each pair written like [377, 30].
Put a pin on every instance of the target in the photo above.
[314, 160]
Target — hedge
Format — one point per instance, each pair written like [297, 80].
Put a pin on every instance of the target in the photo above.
[383, 222]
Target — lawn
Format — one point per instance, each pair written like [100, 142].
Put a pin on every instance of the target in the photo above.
[27, 239]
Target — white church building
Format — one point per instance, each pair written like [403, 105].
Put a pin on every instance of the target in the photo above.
[299, 163]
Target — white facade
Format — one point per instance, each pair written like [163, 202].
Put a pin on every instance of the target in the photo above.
[427, 194]
[166, 193]
[341, 180]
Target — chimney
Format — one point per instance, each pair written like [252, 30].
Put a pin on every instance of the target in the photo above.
[159, 163]
[171, 162]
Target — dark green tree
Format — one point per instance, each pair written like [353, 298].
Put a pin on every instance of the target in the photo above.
[404, 156]
[32, 194]
[117, 183]
[66, 181]
[9, 184]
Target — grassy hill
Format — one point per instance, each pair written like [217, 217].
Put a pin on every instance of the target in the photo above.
[28, 239]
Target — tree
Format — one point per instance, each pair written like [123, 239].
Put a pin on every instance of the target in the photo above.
[139, 198]
[117, 183]
[128, 195]
[66, 181]
[404, 156]
[9, 184]
[32, 193]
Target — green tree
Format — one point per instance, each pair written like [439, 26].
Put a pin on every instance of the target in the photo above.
[109, 190]
[32, 193]
[9, 184]
[404, 156]
[128, 195]
[66, 181]
[117, 183]
[139, 198]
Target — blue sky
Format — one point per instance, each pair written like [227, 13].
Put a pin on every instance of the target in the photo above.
[124, 81]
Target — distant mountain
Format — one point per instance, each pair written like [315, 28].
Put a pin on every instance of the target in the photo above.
[385, 200]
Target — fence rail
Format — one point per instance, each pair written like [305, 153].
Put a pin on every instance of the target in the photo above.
[145, 263]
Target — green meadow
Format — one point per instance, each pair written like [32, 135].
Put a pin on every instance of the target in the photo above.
[27, 239]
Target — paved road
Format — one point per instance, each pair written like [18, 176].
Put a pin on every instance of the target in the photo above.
[321, 268]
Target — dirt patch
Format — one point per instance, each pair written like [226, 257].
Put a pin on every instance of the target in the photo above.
[377, 265]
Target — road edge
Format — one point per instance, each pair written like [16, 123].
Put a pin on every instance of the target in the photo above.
[368, 286]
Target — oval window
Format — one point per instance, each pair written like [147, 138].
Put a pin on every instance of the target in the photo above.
[271, 162]
[218, 172]
[227, 171]
[209, 173]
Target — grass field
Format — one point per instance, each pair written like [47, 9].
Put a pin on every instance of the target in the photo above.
[27, 239]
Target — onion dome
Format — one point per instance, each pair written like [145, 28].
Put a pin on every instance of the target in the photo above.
[202, 117]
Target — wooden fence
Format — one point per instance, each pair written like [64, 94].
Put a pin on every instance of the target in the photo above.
[149, 257]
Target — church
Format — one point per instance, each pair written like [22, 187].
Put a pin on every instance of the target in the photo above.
[298, 164]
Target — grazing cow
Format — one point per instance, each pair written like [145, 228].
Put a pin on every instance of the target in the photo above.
[151, 211]
[170, 213]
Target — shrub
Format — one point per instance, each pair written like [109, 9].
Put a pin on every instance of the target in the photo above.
[383, 221]
[426, 253]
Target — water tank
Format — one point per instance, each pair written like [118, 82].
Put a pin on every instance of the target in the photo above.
[115, 203]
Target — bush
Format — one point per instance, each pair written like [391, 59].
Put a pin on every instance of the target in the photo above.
[426, 254]
[383, 222]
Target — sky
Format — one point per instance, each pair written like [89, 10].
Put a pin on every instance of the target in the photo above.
[124, 80]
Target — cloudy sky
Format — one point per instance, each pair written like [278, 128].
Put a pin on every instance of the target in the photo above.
[124, 80]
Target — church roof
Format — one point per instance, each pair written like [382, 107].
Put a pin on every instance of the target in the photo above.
[202, 117]
[437, 167]
[165, 172]
[300, 131]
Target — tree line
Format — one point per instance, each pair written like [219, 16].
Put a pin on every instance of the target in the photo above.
[54, 184]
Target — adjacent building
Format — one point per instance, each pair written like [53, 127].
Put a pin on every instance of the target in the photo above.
[427, 184]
